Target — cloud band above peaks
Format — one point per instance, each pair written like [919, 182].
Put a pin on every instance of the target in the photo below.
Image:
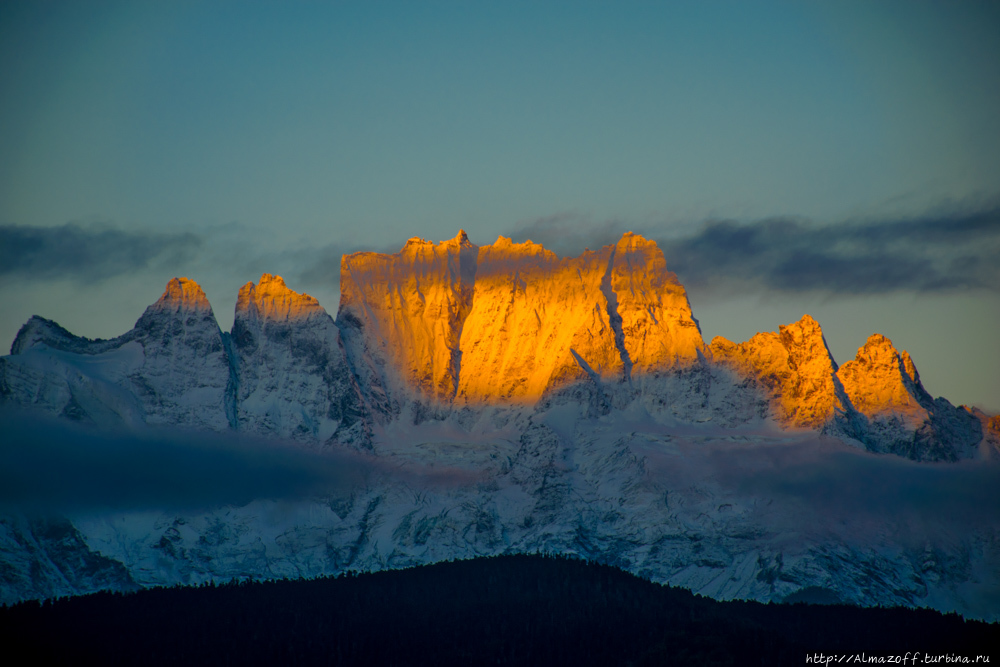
[89, 253]
[935, 252]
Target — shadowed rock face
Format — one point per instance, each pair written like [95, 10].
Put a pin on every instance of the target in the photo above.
[292, 379]
[185, 369]
[172, 368]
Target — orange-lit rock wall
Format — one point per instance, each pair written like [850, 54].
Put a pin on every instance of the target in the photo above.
[272, 301]
[412, 306]
[796, 367]
[658, 328]
[879, 380]
[509, 321]
[530, 313]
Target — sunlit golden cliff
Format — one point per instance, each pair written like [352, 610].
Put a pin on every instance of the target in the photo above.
[271, 299]
[510, 321]
[880, 380]
[182, 294]
[794, 365]
[412, 305]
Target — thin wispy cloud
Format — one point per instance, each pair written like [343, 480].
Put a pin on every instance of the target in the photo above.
[321, 266]
[88, 252]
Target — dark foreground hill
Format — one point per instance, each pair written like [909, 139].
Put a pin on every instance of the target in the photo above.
[509, 610]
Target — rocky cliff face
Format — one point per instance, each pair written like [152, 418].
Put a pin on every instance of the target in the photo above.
[439, 327]
[293, 380]
[876, 399]
[657, 325]
[406, 311]
[536, 322]
[511, 321]
[539, 323]
[185, 371]
[794, 366]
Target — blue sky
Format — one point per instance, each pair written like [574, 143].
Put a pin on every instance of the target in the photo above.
[142, 140]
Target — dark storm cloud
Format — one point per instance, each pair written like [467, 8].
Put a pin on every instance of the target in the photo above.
[931, 253]
[89, 253]
[54, 464]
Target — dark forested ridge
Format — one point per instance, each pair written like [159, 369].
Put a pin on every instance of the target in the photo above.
[509, 610]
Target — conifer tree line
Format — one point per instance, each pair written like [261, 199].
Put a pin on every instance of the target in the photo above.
[505, 610]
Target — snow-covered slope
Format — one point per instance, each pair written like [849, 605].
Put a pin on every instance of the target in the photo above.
[499, 399]
[172, 368]
[701, 506]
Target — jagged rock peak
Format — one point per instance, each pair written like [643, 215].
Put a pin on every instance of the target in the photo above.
[182, 294]
[183, 304]
[417, 245]
[794, 365]
[903, 419]
[271, 299]
[39, 331]
[879, 379]
[505, 247]
[879, 351]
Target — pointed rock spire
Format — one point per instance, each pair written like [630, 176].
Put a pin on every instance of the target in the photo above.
[271, 299]
[794, 365]
[184, 301]
[902, 418]
[182, 294]
[880, 380]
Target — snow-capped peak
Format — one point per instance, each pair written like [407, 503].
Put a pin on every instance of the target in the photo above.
[271, 299]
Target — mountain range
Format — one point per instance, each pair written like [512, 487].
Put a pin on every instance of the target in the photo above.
[500, 399]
